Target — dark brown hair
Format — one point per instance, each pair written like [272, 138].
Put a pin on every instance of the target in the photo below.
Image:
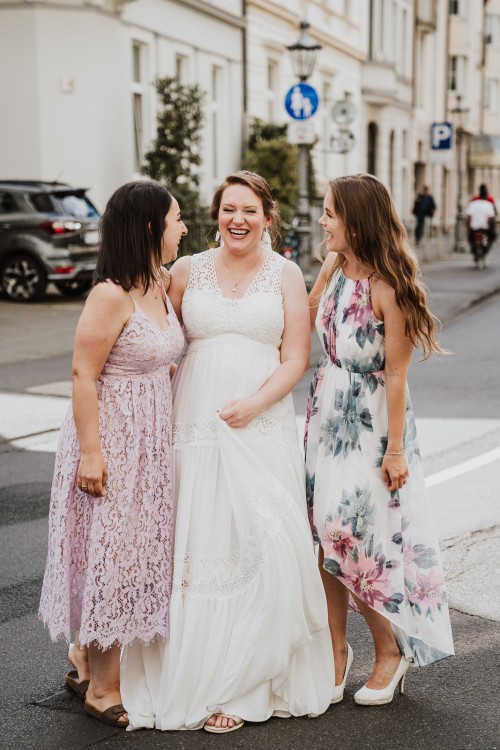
[131, 234]
[259, 186]
[378, 240]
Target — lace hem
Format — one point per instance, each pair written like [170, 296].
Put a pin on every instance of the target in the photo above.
[203, 433]
[227, 576]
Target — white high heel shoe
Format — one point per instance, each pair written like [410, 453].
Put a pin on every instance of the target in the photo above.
[338, 690]
[370, 697]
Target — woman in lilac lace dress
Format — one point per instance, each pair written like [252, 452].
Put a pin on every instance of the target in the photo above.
[366, 493]
[109, 567]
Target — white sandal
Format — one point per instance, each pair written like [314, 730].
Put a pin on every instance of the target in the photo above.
[223, 730]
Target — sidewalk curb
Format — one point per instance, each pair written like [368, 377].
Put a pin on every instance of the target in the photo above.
[481, 297]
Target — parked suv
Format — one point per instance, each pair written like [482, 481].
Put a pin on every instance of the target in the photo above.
[48, 232]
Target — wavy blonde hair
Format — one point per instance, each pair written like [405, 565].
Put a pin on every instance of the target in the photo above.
[378, 239]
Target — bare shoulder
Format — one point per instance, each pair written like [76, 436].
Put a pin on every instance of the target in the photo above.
[383, 297]
[328, 263]
[180, 269]
[291, 271]
[108, 295]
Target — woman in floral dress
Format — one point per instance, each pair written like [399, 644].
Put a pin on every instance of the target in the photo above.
[367, 501]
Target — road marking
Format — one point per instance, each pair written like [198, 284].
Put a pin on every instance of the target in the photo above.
[463, 468]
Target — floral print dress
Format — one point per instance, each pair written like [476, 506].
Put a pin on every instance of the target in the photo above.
[379, 543]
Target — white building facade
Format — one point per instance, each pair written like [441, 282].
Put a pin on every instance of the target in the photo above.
[81, 106]
[341, 28]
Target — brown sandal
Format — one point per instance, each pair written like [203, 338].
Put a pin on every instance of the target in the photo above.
[111, 716]
[74, 684]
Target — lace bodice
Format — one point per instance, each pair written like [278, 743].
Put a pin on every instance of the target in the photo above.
[257, 315]
[142, 348]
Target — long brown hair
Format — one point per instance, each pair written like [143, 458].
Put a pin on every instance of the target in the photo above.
[259, 186]
[378, 239]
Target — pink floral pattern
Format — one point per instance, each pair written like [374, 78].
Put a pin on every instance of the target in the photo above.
[368, 580]
[109, 563]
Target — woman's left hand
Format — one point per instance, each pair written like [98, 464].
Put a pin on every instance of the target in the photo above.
[395, 471]
[241, 412]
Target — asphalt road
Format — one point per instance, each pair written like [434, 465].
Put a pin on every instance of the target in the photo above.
[456, 398]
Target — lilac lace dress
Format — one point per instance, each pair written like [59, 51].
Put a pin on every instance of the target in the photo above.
[109, 564]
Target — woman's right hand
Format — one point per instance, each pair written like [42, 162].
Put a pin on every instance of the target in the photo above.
[92, 475]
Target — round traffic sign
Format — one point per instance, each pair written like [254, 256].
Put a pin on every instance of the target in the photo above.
[344, 112]
[301, 101]
[342, 141]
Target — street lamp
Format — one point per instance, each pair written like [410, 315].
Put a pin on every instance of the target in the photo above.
[459, 111]
[303, 53]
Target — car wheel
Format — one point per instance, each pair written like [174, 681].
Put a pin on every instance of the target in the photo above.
[74, 288]
[23, 278]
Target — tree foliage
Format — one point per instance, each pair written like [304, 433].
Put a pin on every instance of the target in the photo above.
[271, 155]
[174, 156]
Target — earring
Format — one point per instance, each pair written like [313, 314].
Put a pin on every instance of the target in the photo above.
[265, 243]
[218, 239]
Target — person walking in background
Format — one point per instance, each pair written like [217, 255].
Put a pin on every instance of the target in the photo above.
[367, 499]
[249, 634]
[424, 208]
[108, 576]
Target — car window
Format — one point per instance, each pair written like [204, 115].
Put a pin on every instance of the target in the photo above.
[76, 205]
[42, 203]
[8, 203]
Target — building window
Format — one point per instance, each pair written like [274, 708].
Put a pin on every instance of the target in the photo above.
[491, 95]
[403, 45]
[216, 96]
[492, 30]
[372, 148]
[457, 65]
[181, 69]
[138, 100]
[458, 8]
[271, 89]
[391, 161]
[404, 144]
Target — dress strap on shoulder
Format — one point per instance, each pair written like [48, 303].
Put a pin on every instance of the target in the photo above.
[202, 272]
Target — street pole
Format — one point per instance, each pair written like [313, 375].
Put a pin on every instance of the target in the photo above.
[303, 53]
[458, 219]
[459, 111]
[303, 213]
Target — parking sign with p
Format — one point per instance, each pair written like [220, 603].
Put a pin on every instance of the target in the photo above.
[441, 141]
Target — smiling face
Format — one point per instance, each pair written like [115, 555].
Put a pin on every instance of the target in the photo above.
[241, 219]
[175, 230]
[334, 227]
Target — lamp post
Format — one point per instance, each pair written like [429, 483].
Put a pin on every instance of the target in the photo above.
[459, 111]
[303, 53]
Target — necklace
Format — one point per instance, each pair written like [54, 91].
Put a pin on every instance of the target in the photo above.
[236, 283]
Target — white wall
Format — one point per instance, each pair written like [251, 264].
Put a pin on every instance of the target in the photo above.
[68, 101]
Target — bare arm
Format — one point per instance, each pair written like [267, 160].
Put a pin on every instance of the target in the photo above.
[179, 277]
[106, 312]
[319, 287]
[295, 353]
[398, 353]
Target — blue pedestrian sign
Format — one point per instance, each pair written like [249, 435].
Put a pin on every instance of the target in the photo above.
[301, 101]
[441, 141]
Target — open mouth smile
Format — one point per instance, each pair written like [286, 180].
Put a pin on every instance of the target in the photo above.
[238, 233]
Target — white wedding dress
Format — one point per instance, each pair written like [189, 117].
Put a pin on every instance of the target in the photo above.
[248, 620]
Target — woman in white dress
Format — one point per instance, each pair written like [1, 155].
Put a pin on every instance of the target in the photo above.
[249, 634]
